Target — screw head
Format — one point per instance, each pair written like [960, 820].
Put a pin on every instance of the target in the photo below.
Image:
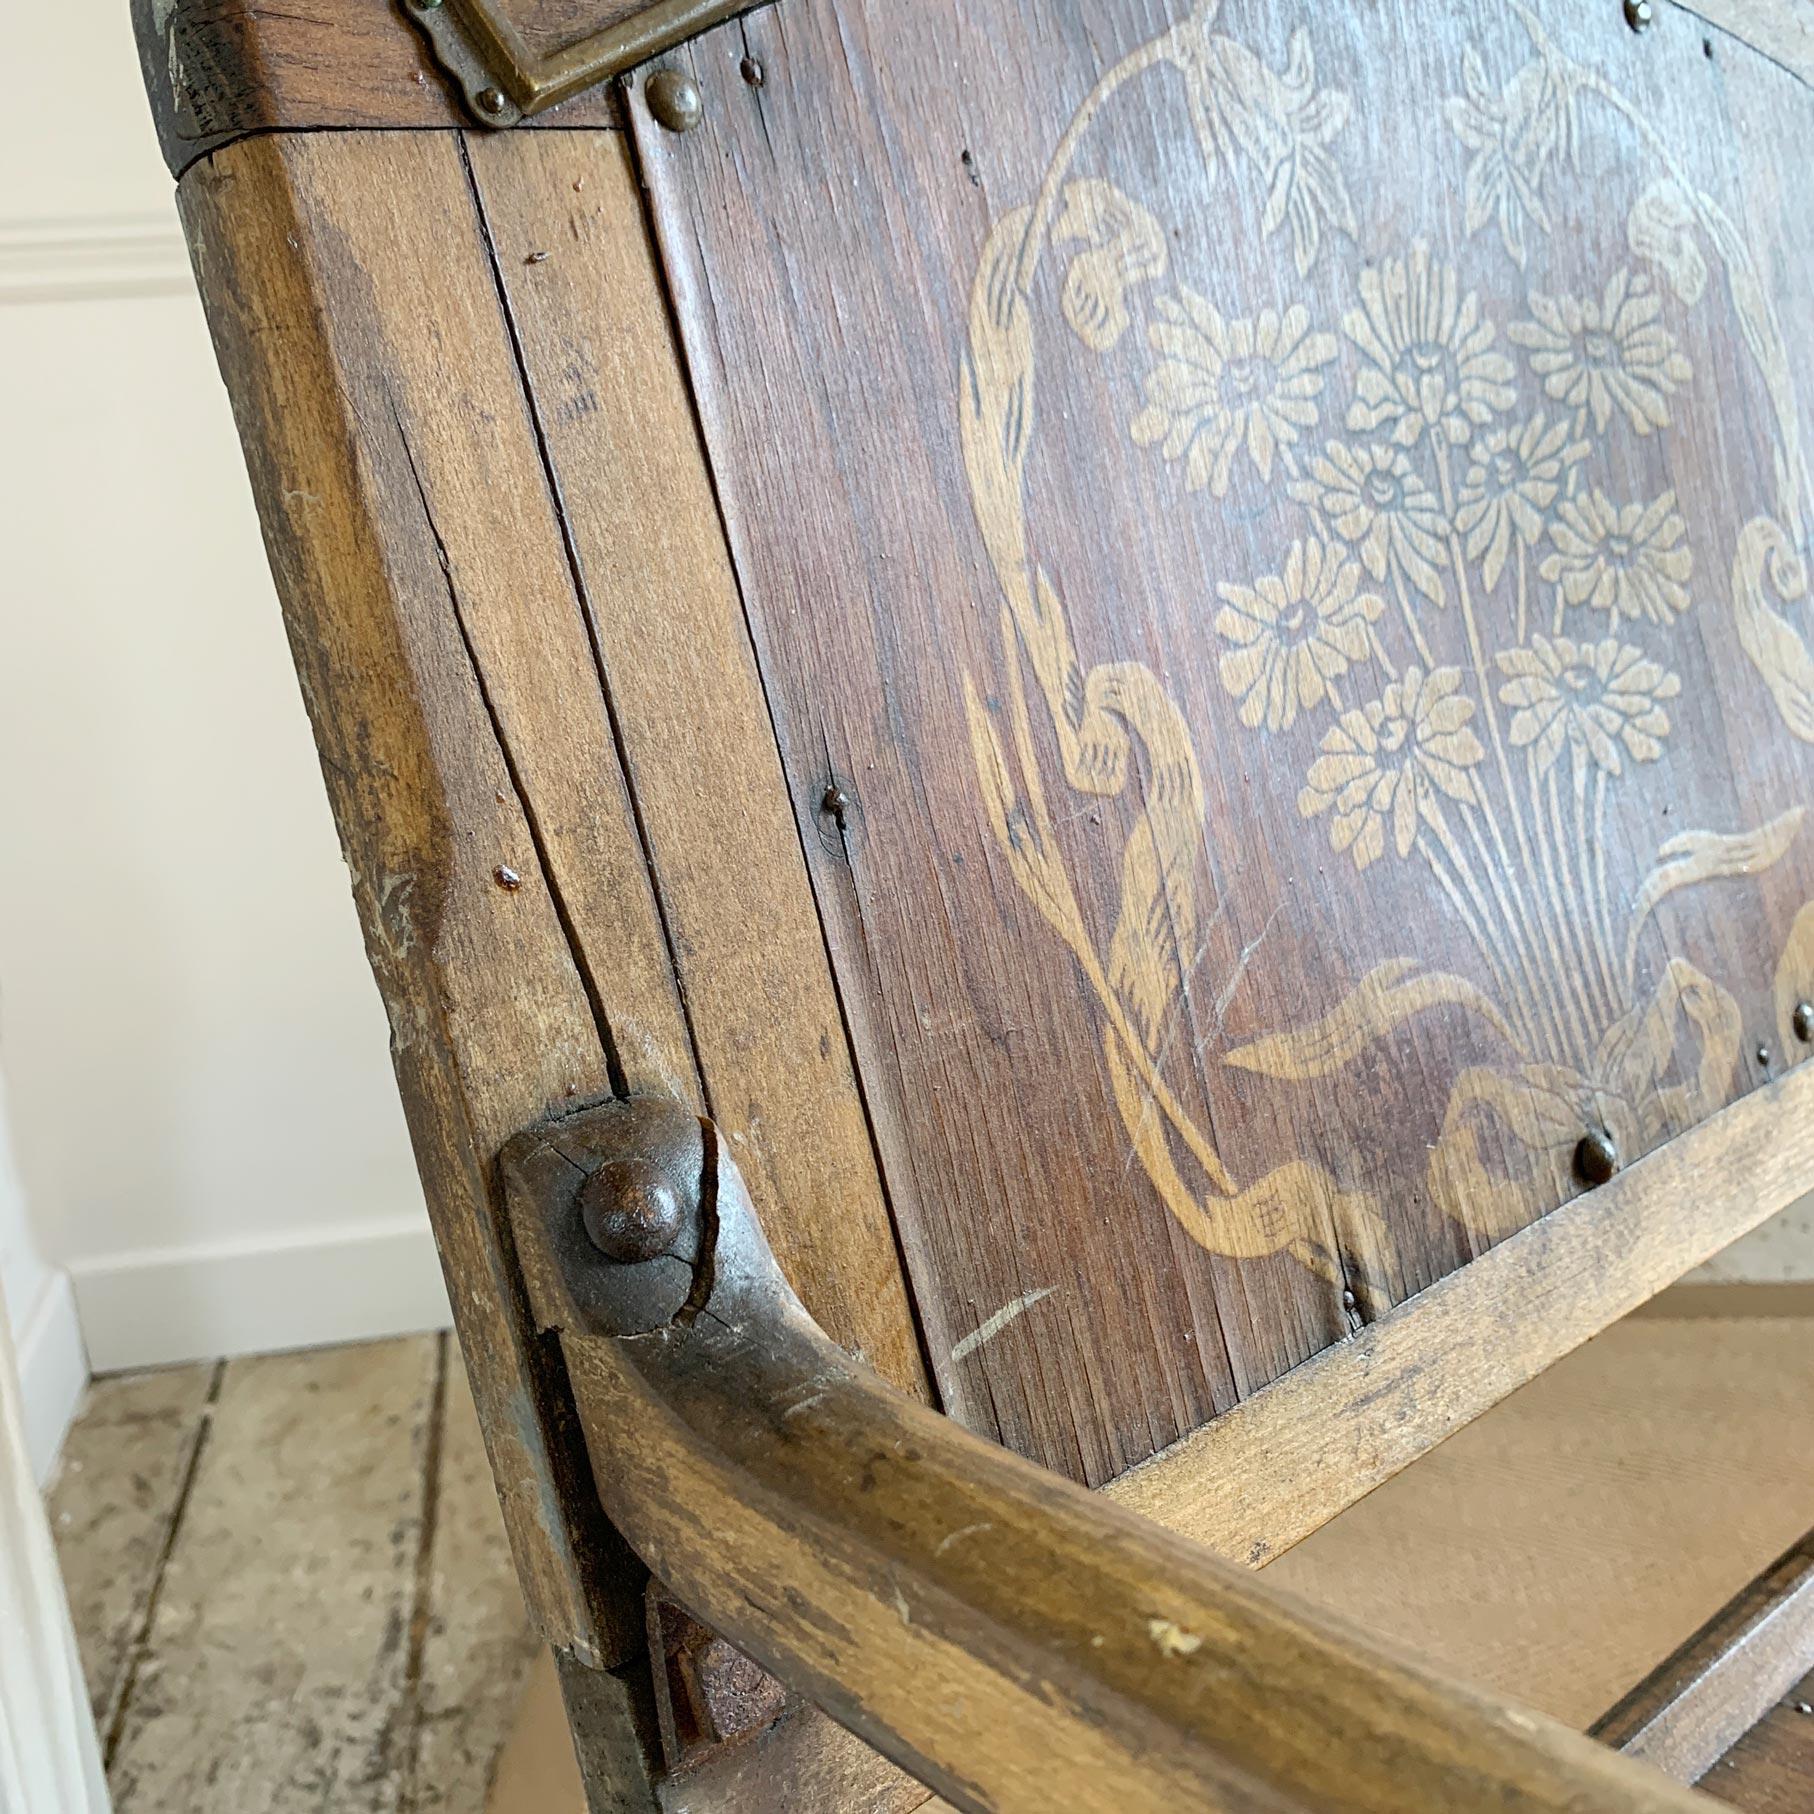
[1639, 14]
[1596, 1158]
[1803, 1022]
[674, 100]
[490, 100]
[631, 1210]
[834, 801]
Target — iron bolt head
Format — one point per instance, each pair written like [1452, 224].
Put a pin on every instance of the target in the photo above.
[631, 1210]
[1803, 1022]
[1596, 1158]
[1638, 14]
[674, 100]
[490, 100]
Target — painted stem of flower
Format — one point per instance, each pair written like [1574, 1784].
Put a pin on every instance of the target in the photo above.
[1511, 1001]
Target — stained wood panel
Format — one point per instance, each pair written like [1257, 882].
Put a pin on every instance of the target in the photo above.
[1287, 537]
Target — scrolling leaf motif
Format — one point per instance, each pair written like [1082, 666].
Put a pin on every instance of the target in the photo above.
[1495, 776]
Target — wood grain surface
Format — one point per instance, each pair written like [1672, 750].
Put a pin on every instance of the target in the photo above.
[1287, 538]
[221, 70]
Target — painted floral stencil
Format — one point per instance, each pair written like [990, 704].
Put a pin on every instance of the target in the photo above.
[1459, 576]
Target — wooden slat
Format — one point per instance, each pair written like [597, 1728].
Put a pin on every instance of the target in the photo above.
[591, 323]
[282, 1684]
[463, 732]
[1256, 1481]
[1162, 1120]
[119, 1488]
[1696, 1705]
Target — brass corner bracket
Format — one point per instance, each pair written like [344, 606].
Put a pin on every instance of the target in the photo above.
[504, 79]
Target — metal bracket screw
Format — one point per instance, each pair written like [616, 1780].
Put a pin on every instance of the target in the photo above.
[1639, 14]
[674, 100]
[631, 1210]
[1596, 1158]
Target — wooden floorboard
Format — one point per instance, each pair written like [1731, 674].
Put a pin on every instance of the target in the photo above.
[113, 1507]
[276, 1663]
[478, 1647]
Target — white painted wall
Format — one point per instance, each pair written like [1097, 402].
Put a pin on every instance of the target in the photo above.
[203, 1107]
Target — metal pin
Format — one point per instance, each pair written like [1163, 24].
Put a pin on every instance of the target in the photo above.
[674, 100]
[1596, 1158]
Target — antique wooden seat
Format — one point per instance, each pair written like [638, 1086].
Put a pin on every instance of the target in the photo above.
[1138, 676]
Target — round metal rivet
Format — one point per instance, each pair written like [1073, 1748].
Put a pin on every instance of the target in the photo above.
[1638, 14]
[490, 100]
[1803, 1022]
[752, 71]
[631, 1211]
[1763, 1053]
[1596, 1158]
[674, 100]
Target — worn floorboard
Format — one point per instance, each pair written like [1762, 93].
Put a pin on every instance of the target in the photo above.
[478, 1647]
[114, 1507]
[275, 1672]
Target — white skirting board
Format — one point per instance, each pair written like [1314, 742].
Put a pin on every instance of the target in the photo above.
[157, 1307]
[49, 1758]
[53, 1372]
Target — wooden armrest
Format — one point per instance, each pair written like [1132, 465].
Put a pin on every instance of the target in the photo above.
[1011, 1639]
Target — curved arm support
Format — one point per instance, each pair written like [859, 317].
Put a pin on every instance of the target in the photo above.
[1014, 1641]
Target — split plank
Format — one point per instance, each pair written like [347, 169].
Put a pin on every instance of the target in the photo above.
[113, 1507]
[463, 734]
[276, 1672]
[591, 318]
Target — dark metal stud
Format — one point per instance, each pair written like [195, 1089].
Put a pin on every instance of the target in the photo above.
[489, 100]
[1763, 1054]
[631, 1210]
[752, 71]
[1639, 14]
[674, 100]
[1803, 1022]
[835, 801]
[1596, 1158]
